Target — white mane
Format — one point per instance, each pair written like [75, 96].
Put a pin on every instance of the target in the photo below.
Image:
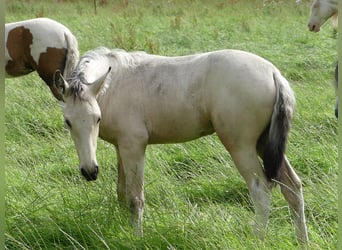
[122, 58]
[95, 63]
[126, 59]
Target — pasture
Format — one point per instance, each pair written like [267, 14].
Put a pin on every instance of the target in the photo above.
[194, 196]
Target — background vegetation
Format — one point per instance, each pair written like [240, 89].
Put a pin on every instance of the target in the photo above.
[195, 198]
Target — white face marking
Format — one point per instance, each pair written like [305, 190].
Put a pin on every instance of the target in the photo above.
[82, 117]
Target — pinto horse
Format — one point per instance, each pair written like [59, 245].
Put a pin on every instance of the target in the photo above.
[41, 45]
[135, 99]
[321, 11]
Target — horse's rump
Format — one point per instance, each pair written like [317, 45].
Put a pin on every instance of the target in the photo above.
[41, 45]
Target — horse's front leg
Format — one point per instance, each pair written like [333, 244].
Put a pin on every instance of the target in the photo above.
[121, 184]
[132, 155]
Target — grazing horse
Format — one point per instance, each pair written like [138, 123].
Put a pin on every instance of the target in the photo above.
[321, 11]
[41, 45]
[135, 99]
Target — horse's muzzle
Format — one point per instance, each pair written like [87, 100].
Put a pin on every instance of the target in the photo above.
[90, 176]
[314, 27]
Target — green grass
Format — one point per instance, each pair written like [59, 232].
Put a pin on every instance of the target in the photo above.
[195, 198]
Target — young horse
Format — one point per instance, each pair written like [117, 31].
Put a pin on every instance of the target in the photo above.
[41, 45]
[144, 99]
[321, 11]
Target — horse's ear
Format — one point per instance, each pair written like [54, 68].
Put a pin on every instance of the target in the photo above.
[96, 86]
[59, 82]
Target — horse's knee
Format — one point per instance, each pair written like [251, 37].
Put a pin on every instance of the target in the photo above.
[136, 208]
[135, 205]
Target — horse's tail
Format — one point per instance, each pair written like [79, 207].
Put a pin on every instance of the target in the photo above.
[275, 137]
[72, 55]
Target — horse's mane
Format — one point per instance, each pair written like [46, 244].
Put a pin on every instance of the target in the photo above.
[75, 86]
[126, 59]
[119, 59]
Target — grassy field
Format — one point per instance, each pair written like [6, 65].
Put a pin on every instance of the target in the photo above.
[195, 198]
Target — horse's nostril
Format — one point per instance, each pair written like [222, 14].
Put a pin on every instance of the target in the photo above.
[90, 176]
[84, 173]
[95, 173]
[311, 27]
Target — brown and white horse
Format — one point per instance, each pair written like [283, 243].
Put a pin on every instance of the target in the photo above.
[41, 45]
[321, 11]
[135, 99]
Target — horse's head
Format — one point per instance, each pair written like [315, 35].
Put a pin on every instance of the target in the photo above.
[82, 117]
[321, 11]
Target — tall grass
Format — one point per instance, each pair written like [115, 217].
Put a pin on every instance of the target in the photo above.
[195, 198]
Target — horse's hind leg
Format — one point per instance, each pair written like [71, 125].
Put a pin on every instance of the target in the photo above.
[248, 165]
[291, 187]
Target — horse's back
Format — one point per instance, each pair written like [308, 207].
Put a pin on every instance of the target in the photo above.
[183, 98]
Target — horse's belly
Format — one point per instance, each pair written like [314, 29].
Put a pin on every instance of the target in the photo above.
[174, 132]
[176, 138]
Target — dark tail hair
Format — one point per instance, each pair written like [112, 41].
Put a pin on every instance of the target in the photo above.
[277, 132]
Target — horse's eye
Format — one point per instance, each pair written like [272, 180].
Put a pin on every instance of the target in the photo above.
[67, 123]
[98, 120]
